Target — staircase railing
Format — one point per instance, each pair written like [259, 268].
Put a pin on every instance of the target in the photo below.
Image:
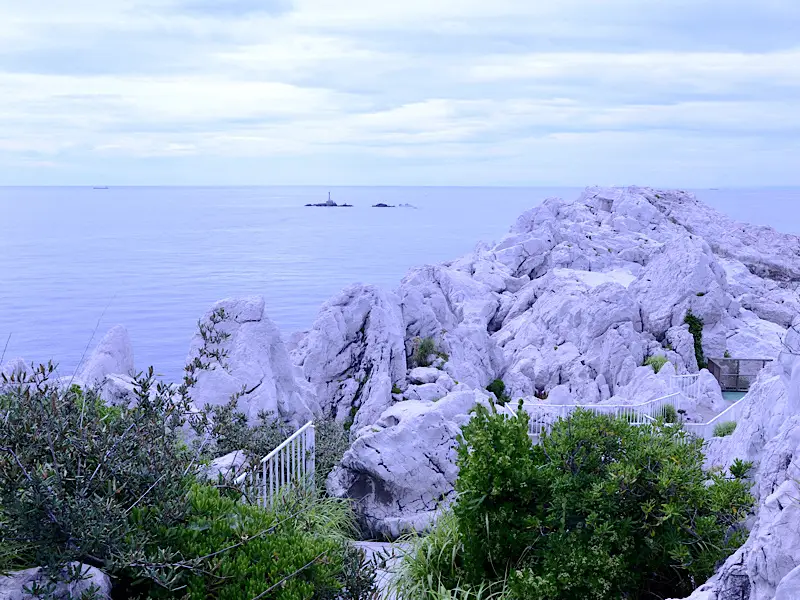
[688, 385]
[291, 463]
[544, 416]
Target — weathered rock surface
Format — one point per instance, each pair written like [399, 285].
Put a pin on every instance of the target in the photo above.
[112, 356]
[354, 354]
[225, 467]
[572, 302]
[251, 362]
[768, 434]
[401, 469]
[13, 586]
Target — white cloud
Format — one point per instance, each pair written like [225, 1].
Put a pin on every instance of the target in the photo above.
[509, 85]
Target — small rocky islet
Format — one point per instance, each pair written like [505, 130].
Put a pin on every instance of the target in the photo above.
[567, 307]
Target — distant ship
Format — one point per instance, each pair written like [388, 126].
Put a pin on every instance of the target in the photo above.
[100, 187]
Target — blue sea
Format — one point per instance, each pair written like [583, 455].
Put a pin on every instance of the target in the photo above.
[76, 261]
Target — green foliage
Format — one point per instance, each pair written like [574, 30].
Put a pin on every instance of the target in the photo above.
[724, 429]
[696, 329]
[396, 390]
[72, 469]
[424, 350]
[656, 362]
[331, 442]
[727, 354]
[498, 388]
[739, 469]
[599, 509]
[700, 294]
[230, 431]
[229, 550]
[432, 567]
[669, 414]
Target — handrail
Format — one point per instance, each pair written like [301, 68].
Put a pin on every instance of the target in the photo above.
[288, 440]
[292, 462]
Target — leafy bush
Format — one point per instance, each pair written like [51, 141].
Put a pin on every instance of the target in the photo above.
[498, 388]
[669, 414]
[72, 469]
[229, 550]
[230, 431]
[656, 362]
[599, 509]
[424, 350]
[432, 567]
[727, 354]
[332, 441]
[739, 469]
[696, 329]
[724, 429]
[396, 390]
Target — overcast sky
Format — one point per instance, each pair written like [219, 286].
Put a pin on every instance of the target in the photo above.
[692, 93]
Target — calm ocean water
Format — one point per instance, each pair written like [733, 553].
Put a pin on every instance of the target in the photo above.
[154, 259]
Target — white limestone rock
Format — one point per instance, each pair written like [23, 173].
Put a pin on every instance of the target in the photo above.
[455, 310]
[354, 354]
[226, 467]
[12, 586]
[254, 365]
[427, 392]
[401, 469]
[112, 356]
[421, 375]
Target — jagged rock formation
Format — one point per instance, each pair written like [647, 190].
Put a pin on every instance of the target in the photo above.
[354, 354]
[570, 304]
[240, 353]
[112, 356]
[767, 566]
[395, 494]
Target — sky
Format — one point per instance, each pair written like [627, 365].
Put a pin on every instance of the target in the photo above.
[691, 93]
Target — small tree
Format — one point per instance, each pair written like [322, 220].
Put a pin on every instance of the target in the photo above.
[599, 509]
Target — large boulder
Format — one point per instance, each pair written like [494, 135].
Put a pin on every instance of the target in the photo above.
[112, 356]
[71, 582]
[402, 469]
[238, 352]
[354, 354]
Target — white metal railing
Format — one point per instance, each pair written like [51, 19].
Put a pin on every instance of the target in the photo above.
[544, 416]
[688, 385]
[706, 430]
[291, 463]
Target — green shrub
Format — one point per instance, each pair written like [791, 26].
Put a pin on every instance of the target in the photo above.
[656, 362]
[229, 550]
[331, 442]
[498, 388]
[72, 469]
[599, 509]
[724, 429]
[424, 350]
[431, 567]
[696, 329]
[727, 354]
[669, 414]
[739, 469]
[396, 390]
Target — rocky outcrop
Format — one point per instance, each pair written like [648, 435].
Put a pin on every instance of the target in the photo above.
[112, 356]
[239, 352]
[402, 469]
[354, 354]
[569, 305]
[225, 467]
[73, 582]
[767, 434]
